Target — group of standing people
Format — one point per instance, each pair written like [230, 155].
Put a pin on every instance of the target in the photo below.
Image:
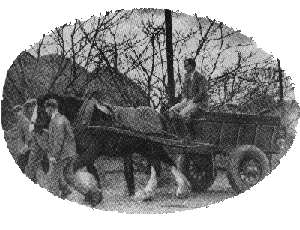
[57, 145]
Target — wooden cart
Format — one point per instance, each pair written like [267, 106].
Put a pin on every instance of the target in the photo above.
[247, 142]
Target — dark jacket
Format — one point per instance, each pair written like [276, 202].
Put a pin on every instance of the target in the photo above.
[61, 138]
[195, 88]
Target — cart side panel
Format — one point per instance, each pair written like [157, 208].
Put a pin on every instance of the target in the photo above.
[229, 135]
[264, 137]
[246, 134]
[240, 118]
[275, 148]
[207, 132]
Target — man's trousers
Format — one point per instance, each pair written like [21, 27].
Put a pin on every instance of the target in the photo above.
[185, 108]
[36, 157]
[59, 175]
[34, 162]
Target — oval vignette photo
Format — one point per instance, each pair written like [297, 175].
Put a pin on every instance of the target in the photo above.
[147, 111]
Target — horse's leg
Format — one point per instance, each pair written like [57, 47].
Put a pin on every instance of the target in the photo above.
[181, 180]
[91, 168]
[152, 155]
[84, 183]
[149, 190]
[79, 163]
[157, 167]
[87, 159]
[152, 183]
[128, 173]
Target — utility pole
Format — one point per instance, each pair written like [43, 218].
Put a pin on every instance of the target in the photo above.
[169, 51]
[280, 79]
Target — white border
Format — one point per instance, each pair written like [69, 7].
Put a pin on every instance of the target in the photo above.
[272, 204]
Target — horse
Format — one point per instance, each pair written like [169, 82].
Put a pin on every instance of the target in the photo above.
[90, 148]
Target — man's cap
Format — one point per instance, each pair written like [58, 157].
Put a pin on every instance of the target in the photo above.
[51, 103]
[17, 108]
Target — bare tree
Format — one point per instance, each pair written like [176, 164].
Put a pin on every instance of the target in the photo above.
[99, 44]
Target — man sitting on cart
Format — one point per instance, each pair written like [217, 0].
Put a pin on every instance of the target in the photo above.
[194, 98]
[194, 91]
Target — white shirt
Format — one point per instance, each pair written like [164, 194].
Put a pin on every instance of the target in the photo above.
[192, 74]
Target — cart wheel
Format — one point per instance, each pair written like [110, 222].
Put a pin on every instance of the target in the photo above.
[199, 171]
[248, 165]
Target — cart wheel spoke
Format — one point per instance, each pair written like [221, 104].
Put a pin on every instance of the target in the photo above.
[250, 171]
[199, 171]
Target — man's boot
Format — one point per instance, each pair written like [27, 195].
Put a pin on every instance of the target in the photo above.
[65, 190]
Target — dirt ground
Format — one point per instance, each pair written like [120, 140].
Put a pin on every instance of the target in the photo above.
[164, 201]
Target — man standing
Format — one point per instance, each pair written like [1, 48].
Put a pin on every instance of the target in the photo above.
[62, 150]
[23, 135]
[38, 144]
[194, 91]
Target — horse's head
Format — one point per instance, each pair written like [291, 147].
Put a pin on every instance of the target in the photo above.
[67, 106]
[70, 107]
[39, 119]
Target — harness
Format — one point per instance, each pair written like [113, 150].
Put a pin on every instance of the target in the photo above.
[77, 121]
